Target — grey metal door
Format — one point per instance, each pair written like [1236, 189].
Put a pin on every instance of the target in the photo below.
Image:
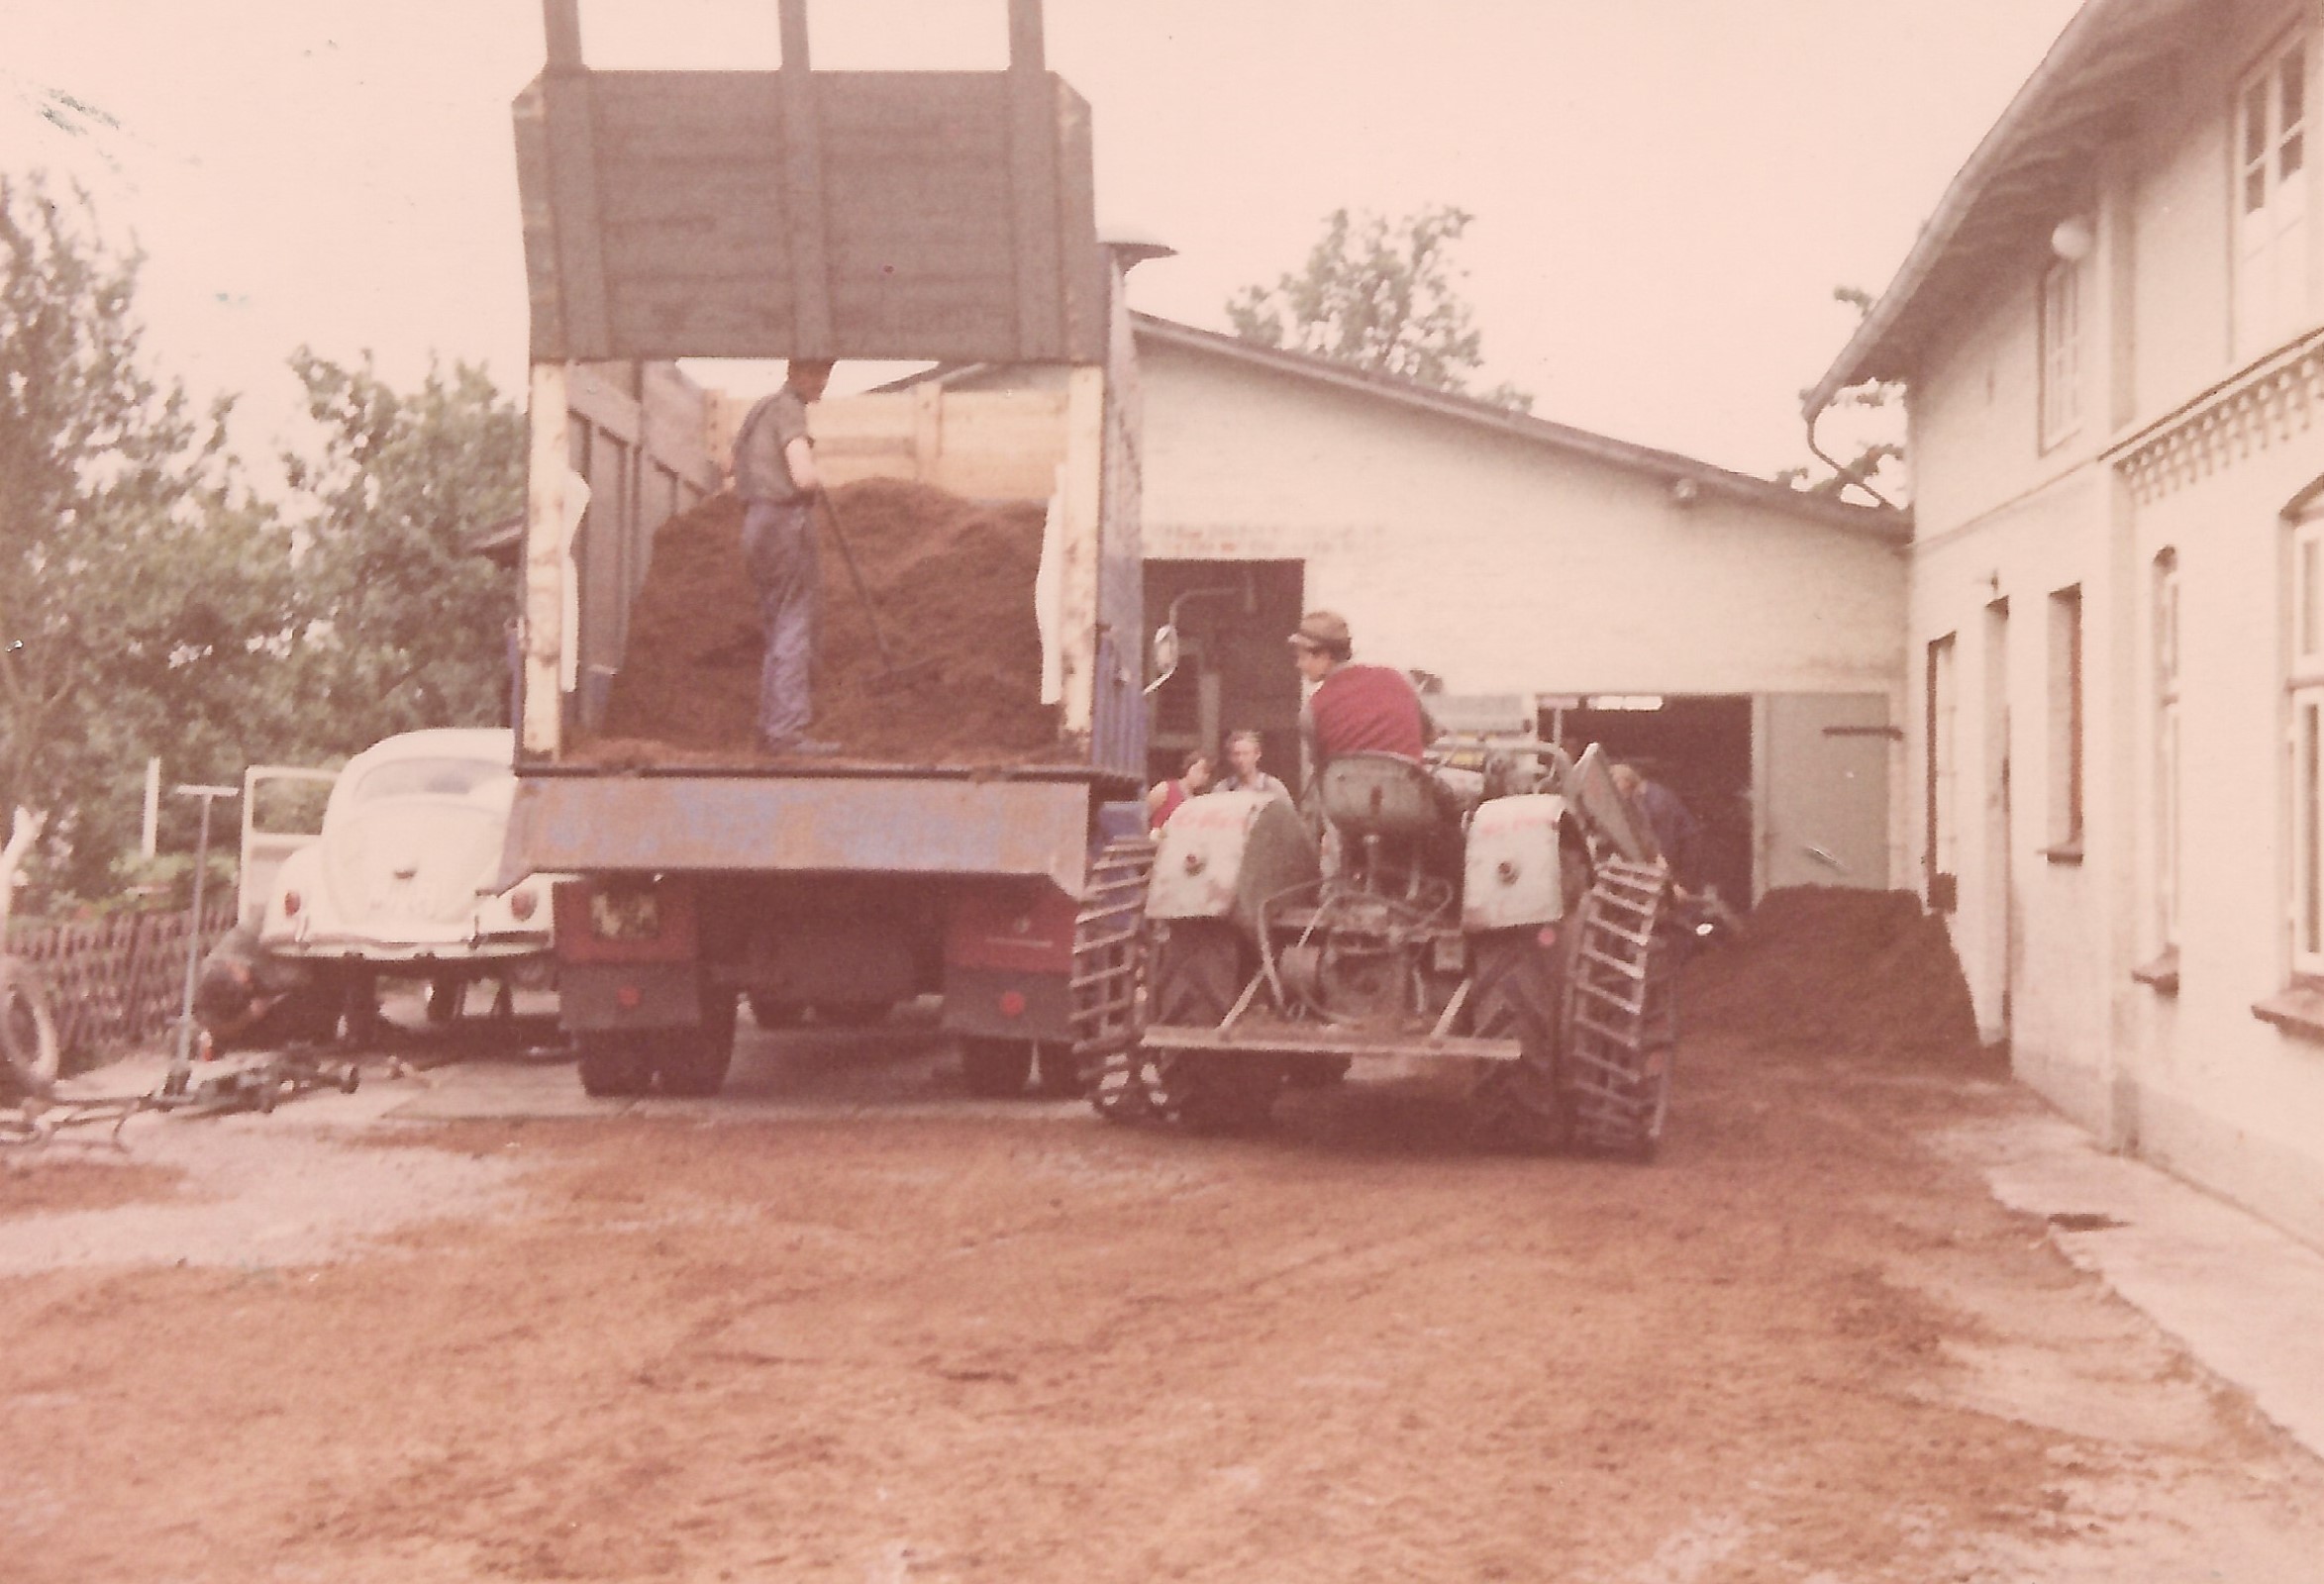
[1820, 764]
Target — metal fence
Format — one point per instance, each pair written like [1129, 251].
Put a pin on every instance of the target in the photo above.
[118, 981]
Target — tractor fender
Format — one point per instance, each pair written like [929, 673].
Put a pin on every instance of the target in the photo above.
[1512, 874]
[1224, 853]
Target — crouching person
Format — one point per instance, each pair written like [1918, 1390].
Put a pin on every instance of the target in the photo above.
[245, 999]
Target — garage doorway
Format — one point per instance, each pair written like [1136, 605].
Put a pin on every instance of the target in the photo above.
[1698, 746]
[1234, 671]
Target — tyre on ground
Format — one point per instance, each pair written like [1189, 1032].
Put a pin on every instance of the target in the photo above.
[1196, 972]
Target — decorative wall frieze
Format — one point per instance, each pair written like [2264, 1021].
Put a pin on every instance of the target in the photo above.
[2268, 405]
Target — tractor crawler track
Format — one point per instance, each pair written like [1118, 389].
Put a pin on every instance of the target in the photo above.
[1621, 1012]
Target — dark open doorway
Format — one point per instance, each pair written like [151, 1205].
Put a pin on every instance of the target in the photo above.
[1698, 746]
[1234, 671]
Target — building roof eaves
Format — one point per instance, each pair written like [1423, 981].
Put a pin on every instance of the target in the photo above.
[2015, 176]
[1668, 466]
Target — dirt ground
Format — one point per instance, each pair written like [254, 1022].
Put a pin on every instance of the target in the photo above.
[845, 1324]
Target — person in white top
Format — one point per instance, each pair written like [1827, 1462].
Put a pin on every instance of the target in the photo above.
[1246, 776]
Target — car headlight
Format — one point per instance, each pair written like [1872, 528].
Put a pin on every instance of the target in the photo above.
[524, 905]
[291, 904]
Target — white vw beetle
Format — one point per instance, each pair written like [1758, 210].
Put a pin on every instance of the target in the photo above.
[400, 879]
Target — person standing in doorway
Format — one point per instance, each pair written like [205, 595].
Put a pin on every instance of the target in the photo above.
[1167, 797]
[1244, 773]
[777, 478]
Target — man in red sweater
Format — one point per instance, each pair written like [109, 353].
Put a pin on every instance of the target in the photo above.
[1353, 709]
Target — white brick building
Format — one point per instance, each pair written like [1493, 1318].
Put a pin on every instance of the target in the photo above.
[2112, 333]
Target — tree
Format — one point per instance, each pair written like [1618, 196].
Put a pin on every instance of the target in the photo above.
[1873, 444]
[405, 622]
[143, 594]
[1383, 295]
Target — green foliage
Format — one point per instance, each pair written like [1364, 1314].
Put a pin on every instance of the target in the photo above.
[151, 604]
[144, 595]
[167, 881]
[406, 624]
[1383, 295]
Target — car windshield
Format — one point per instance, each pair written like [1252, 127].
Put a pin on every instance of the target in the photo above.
[404, 778]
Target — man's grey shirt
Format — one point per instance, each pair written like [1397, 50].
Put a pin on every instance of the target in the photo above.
[760, 473]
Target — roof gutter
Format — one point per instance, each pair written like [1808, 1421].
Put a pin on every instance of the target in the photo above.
[1968, 184]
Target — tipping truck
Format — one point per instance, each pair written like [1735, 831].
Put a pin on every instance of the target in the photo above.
[943, 217]
[1508, 915]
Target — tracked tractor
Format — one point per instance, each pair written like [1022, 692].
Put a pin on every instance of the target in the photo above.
[1513, 921]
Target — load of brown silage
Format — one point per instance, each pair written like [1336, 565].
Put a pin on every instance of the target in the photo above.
[954, 582]
[1862, 974]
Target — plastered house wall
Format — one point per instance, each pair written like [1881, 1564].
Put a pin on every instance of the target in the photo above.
[2194, 442]
[1503, 565]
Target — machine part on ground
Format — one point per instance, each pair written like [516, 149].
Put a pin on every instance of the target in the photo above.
[1621, 1011]
[448, 995]
[995, 1069]
[28, 1051]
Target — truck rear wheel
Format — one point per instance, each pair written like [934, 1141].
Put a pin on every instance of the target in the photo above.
[1195, 974]
[694, 1062]
[1060, 1071]
[613, 1064]
[771, 1011]
[996, 1069]
[1521, 1103]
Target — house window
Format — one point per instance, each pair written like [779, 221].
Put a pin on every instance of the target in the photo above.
[2066, 725]
[2062, 382]
[2165, 640]
[2271, 198]
[1944, 855]
[2307, 747]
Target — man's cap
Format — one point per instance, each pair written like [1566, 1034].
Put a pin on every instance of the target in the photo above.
[1324, 629]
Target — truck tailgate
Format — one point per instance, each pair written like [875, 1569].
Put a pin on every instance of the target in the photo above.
[936, 824]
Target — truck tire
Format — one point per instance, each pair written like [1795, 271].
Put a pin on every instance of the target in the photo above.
[1522, 1103]
[612, 1064]
[1192, 980]
[1058, 1073]
[771, 1011]
[996, 1069]
[692, 1063]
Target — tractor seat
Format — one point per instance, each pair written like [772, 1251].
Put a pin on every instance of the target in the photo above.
[1379, 794]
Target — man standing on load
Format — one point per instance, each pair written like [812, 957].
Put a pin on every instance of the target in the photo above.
[776, 476]
[1353, 709]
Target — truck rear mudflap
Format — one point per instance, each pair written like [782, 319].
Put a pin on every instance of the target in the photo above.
[1266, 1038]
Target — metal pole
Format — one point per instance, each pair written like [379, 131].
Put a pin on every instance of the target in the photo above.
[182, 1059]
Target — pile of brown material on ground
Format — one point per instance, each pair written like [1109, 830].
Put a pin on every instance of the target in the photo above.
[954, 581]
[1844, 972]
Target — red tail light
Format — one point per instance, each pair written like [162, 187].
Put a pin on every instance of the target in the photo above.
[524, 905]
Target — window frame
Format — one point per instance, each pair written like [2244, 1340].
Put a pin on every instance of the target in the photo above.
[2067, 723]
[2268, 195]
[1941, 861]
[2167, 759]
[2058, 336]
[2304, 770]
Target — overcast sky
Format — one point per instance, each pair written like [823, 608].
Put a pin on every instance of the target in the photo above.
[1666, 190]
